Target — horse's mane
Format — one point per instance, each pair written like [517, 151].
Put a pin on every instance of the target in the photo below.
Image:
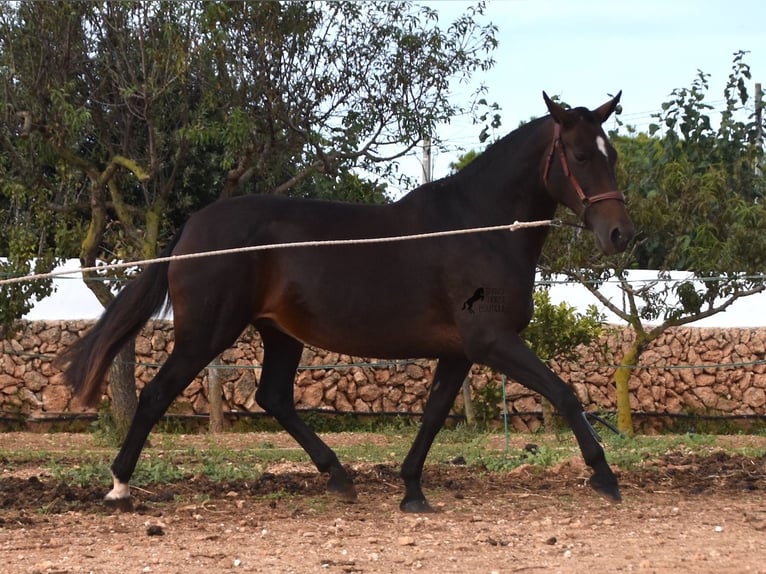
[500, 150]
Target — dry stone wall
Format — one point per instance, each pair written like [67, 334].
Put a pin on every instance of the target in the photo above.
[687, 370]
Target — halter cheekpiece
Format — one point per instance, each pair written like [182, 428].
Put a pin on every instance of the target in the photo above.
[586, 200]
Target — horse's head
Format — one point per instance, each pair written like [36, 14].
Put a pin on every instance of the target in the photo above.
[579, 173]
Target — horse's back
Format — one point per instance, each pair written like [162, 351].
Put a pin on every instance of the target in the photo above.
[391, 299]
[348, 297]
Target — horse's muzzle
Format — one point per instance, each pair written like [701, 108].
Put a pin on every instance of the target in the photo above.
[615, 238]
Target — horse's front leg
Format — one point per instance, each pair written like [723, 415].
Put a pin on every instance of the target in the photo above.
[448, 378]
[510, 355]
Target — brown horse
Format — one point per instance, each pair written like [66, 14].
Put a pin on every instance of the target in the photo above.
[390, 300]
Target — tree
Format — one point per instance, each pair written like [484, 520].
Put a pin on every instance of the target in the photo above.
[694, 195]
[139, 113]
[463, 160]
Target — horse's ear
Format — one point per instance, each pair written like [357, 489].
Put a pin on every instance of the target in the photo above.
[604, 111]
[558, 113]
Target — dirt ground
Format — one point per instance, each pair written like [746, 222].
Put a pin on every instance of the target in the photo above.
[691, 513]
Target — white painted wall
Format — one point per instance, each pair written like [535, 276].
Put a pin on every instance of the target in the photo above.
[72, 300]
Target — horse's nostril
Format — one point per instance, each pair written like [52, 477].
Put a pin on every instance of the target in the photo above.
[618, 239]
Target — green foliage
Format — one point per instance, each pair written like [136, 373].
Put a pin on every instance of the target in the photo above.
[463, 160]
[122, 118]
[487, 401]
[104, 428]
[557, 330]
[159, 469]
[84, 473]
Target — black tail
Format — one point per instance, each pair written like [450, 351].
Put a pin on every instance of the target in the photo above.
[87, 360]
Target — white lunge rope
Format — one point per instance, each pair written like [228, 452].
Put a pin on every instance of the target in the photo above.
[516, 225]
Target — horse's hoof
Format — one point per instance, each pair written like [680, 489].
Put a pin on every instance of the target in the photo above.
[606, 488]
[120, 504]
[419, 506]
[346, 494]
[343, 489]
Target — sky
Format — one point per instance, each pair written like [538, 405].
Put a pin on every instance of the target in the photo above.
[584, 51]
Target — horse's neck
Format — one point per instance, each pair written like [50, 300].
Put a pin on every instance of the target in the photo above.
[505, 184]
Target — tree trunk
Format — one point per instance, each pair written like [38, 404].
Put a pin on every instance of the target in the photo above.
[215, 396]
[123, 385]
[622, 379]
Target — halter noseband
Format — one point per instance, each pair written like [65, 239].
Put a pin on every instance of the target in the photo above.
[587, 201]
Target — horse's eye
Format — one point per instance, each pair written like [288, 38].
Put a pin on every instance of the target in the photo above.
[580, 157]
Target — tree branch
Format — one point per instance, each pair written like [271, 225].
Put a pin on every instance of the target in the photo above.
[316, 167]
[709, 312]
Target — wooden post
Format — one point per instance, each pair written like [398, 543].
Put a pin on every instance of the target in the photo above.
[758, 123]
[215, 395]
[470, 413]
[427, 173]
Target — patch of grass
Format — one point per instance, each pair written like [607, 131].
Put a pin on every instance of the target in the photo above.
[331, 422]
[84, 474]
[159, 470]
[174, 458]
[219, 465]
[543, 454]
[636, 452]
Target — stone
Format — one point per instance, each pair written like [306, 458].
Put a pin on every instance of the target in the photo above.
[50, 335]
[645, 398]
[599, 379]
[244, 389]
[358, 375]
[35, 381]
[143, 346]
[754, 397]
[705, 380]
[417, 388]
[687, 376]
[527, 404]
[313, 395]
[675, 349]
[707, 396]
[404, 387]
[361, 407]
[8, 381]
[415, 371]
[394, 394]
[342, 404]
[56, 398]
[369, 393]
[742, 352]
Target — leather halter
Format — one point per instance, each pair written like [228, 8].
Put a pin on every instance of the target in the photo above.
[586, 200]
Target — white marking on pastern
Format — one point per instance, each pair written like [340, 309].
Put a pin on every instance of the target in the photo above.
[119, 491]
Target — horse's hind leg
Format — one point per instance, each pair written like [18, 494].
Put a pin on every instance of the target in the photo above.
[193, 350]
[155, 398]
[447, 380]
[281, 355]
